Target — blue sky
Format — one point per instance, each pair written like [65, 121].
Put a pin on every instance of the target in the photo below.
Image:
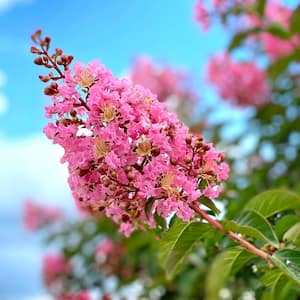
[114, 32]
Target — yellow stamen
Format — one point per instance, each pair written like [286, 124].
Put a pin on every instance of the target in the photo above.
[144, 148]
[101, 148]
[85, 78]
[109, 112]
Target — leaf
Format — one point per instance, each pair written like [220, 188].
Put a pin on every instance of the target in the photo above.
[270, 277]
[273, 201]
[288, 261]
[239, 38]
[260, 7]
[253, 224]
[281, 288]
[178, 242]
[284, 224]
[210, 204]
[295, 20]
[225, 264]
[277, 30]
[293, 235]
[281, 64]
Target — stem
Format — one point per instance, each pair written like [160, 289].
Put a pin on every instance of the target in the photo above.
[232, 235]
[54, 65]
[83, 103]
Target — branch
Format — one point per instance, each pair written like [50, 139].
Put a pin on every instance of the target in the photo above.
[232, 235]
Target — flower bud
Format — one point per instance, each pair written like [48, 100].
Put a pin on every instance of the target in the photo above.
[155, 151]
[38, 61]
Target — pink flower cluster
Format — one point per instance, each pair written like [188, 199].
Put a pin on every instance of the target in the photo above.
[163, 81]
[203, 12]
[36, 216]
[55, 268]
[105, 247]
[241, 83]
[274, 46]
[202, 15]
[128, 156]
[83, 295]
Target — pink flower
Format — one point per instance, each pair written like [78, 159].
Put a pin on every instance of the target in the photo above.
[123, 149]
[277, 13]
[202, 15]
[105, 247]
[36, 216]
[55, 267]
[83, 295]
[212, 191]
[236, 81]
[168, 84]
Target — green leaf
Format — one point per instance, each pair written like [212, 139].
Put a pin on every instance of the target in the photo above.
[293, 235]
[270, 277]
[281, 64]
[210, 204]
[288, 261]
[295, 20]
[239, 38]
[225, 264]
[260, 7]
[281, 288]
[253, 224]
[273, 201]
[178, 242]
[284, 224]
[277, 30]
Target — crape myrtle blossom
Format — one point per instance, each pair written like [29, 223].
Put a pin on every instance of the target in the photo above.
[168, 84]
[202, 15]
[83, 295]
[241, 83]
[205, 11]
[275, 46]
[105, 247]
[110, 259]
[55, 269]
[125, 152]
[37, 216]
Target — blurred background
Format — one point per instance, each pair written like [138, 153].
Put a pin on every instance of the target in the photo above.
[115, 32]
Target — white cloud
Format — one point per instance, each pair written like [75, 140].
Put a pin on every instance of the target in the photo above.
[7, 4]
[31, 167]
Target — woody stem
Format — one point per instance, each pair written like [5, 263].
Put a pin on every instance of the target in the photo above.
[244, 243]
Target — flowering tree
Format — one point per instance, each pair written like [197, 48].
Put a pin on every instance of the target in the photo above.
[148, 186]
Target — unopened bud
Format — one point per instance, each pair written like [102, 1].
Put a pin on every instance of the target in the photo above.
[73, 113]
[155, 151]
[36, 35]
[44, 78]
[35, 50]
[38, 61]
[58, 51]
[188, 140]
[187, 160]
[125, 218]
[130, 175]
[128, 169]
[47, 39]
[173, 161]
